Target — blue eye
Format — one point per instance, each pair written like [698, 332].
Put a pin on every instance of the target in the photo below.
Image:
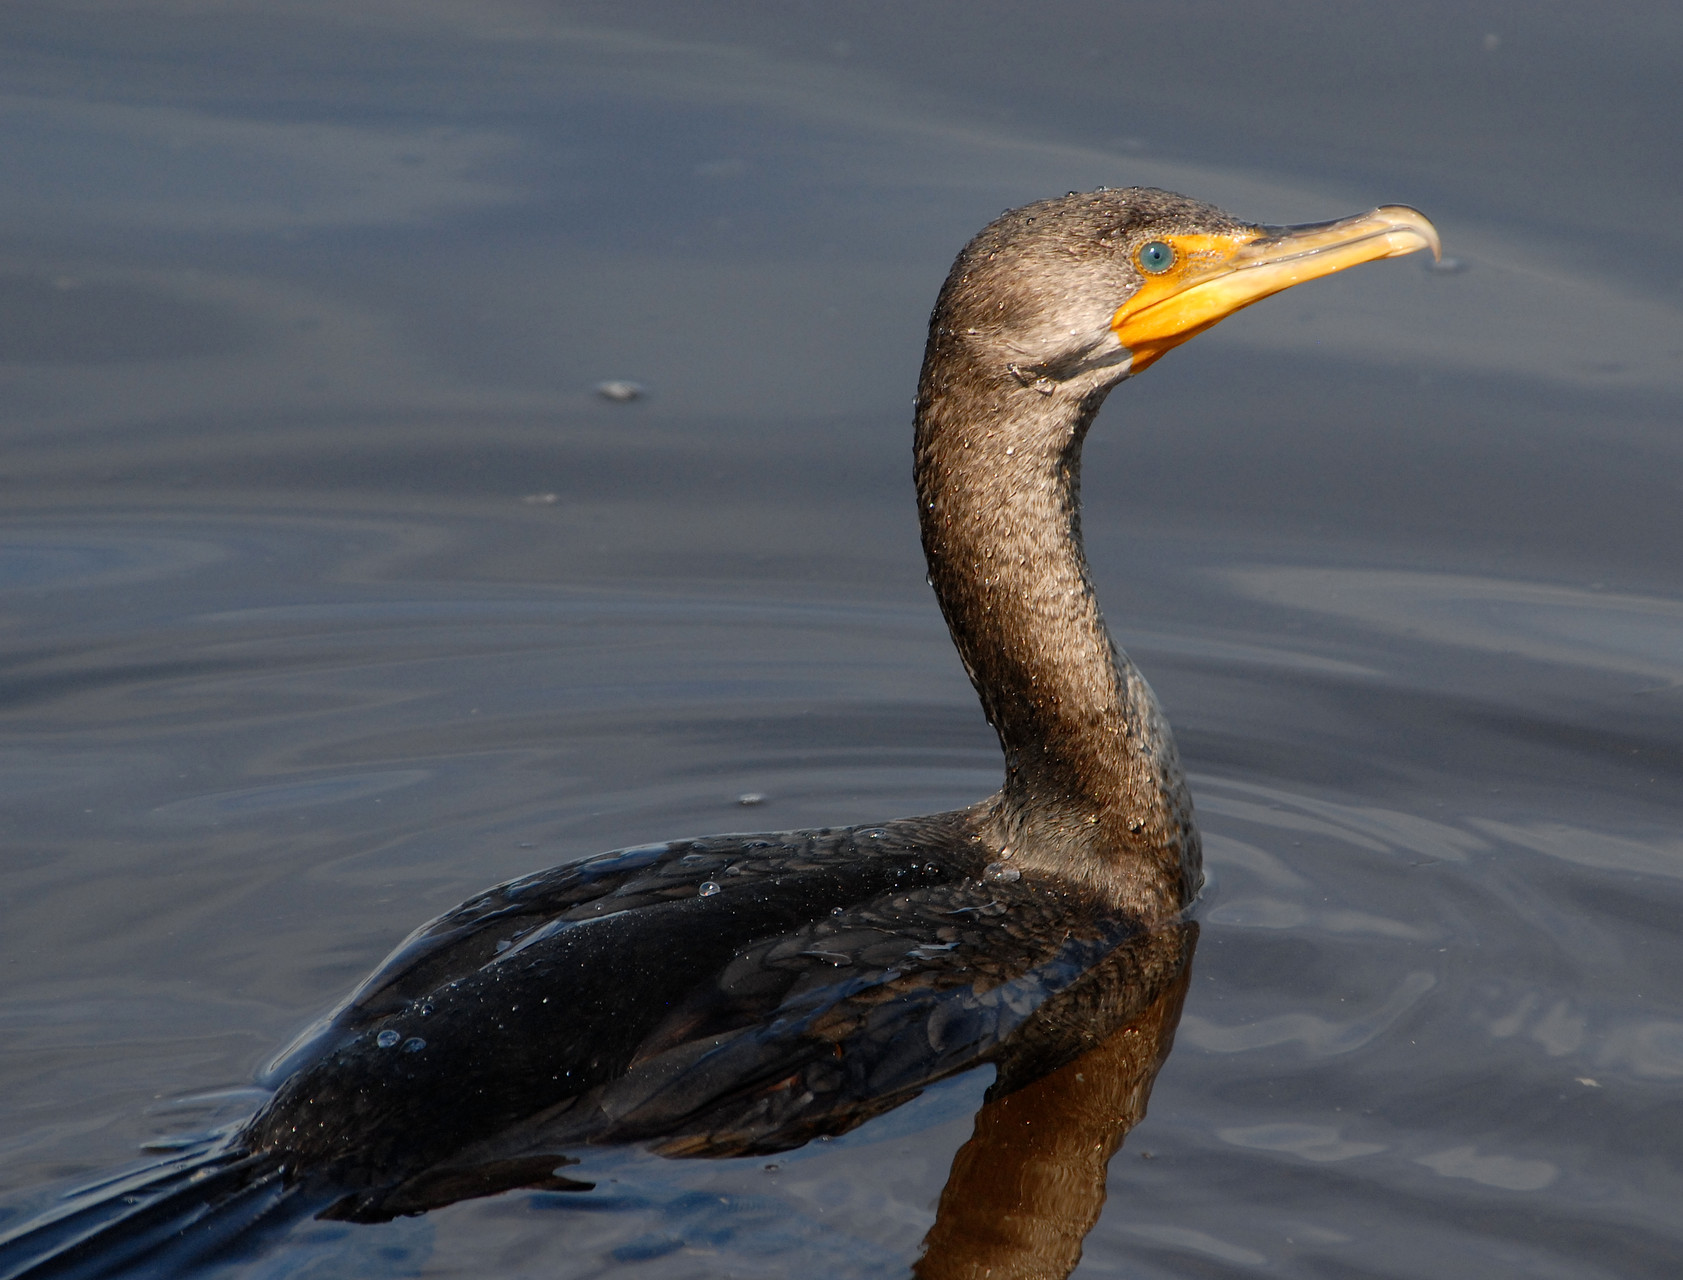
[1156, 257]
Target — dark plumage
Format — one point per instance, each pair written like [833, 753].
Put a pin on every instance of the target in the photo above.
[831, 976]
[746, 993]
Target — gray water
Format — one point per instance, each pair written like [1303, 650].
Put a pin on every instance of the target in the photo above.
[330, 591]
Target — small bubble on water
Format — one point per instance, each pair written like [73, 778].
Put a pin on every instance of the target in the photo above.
[709, 888]
[1000, 873]
[414, 1044]
[386, 1039]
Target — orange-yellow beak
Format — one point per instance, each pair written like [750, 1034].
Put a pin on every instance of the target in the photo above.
[1213, 276]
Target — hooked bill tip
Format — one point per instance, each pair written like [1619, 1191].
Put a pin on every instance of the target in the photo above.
[1407, 218]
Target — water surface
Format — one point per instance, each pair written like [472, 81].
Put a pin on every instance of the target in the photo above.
[331, 592]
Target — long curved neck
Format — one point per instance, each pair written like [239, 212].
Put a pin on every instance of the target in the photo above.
[1093, 785]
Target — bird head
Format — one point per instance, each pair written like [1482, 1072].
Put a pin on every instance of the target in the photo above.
[1067, 297]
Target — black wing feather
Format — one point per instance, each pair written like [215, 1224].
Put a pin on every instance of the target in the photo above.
[817, 1030]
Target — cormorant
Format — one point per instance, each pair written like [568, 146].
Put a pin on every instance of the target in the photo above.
[746, 993]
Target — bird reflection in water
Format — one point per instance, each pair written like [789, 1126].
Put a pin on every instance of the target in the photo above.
[1028, 1186]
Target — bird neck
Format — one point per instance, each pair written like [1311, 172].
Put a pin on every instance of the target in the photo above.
[1093, 786]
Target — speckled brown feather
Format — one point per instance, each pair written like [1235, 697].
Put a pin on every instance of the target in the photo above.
[1016, 368]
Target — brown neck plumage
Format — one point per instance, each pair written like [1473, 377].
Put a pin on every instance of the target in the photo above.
[1093, 786]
